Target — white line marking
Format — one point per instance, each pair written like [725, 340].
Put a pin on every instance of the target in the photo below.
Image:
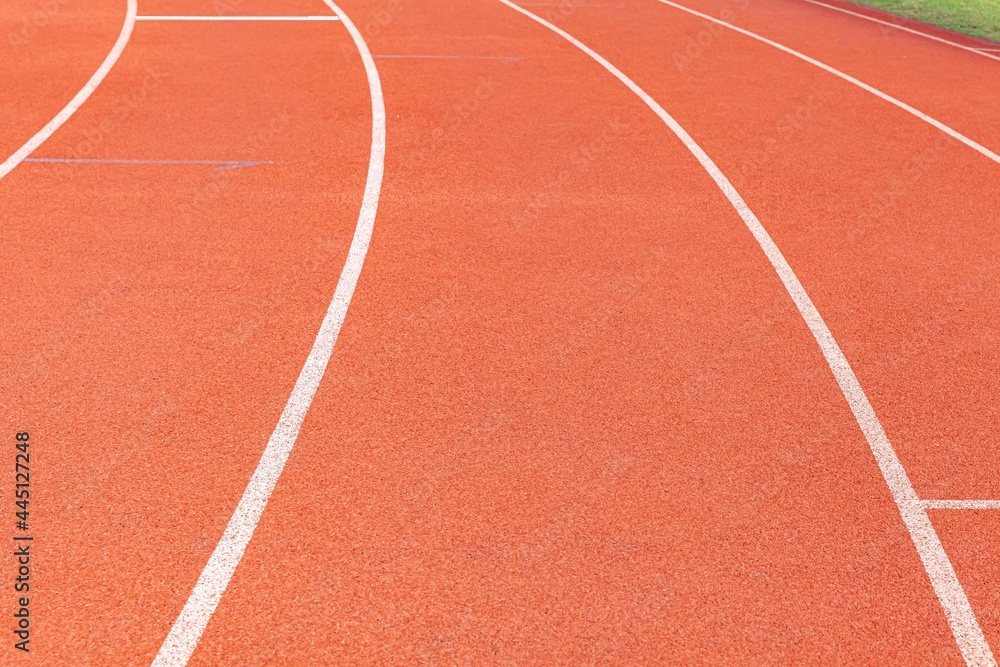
[847, 77]
[910, 30]
[180, 644]
[415, 56]
[237, 18]
[85, 160]
[957, 609]
[961, 504]
[78, 100]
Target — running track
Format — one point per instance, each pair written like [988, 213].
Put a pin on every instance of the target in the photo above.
[574, 415]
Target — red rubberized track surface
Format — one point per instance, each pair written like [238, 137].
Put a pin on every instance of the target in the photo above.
[573, 416]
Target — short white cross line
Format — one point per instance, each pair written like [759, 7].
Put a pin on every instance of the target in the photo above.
[961, 504]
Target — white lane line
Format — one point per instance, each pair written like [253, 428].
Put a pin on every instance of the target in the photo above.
[237, 18]
[418, 56]
[957, 609]
[847, 77]
[179, 645]
[980, 52]
[961, 504]
[40, 137]
[116, 161]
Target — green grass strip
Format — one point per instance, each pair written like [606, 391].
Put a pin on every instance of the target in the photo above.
[972, 17]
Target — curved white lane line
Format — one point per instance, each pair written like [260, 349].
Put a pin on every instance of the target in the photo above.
[847, 77]
[180, 644]
[957, 609]
[905, 29]
[78, 100]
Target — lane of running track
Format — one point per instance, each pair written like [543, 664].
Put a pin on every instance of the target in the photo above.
[952, 85]
[49, 50]
[160, 313]
[894, 25]
[889, 223]
[573, 415]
